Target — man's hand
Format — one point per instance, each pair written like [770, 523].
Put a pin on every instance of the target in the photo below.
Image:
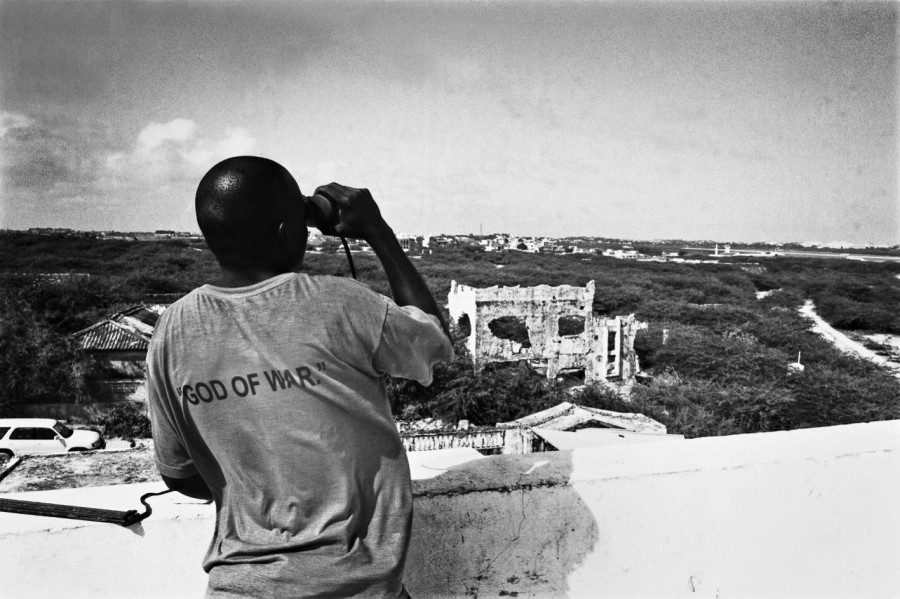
[360, 217]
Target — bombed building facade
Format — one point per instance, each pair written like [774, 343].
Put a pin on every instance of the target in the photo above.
[563, 335]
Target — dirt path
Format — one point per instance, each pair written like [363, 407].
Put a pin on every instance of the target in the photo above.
[842, 342]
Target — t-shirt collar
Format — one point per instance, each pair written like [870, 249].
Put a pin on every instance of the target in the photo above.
[237, 292]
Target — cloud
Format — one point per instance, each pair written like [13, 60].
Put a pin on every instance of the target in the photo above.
[156, 134]
[177, 150]
[56, 170]
[43, 154]
[10, 121]
[50, 169]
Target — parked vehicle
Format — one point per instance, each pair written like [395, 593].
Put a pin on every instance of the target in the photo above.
[44, 435]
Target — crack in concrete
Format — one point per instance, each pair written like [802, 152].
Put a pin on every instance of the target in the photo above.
[511, 541]
[491, 489]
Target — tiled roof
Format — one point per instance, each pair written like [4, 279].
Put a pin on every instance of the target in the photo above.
[110, 336]
[129, 330]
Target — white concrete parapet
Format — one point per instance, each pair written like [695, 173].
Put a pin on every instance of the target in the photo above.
[804, 513]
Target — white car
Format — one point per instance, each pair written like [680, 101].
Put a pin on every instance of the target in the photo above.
[44, 435]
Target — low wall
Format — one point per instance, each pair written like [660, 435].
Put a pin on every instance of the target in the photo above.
[805, 513]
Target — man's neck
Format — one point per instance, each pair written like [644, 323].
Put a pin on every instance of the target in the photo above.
[245, 278]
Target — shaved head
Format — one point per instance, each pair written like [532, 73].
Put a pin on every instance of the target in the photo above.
[241, 202]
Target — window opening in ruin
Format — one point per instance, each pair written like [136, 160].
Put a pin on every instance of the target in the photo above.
[571, 375]
[464, 326]
[571, 325]
[512, 328]
[613, 364]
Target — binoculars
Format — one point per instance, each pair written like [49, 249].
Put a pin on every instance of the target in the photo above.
[321, 213]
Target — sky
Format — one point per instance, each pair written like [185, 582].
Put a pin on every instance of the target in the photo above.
[720, 120]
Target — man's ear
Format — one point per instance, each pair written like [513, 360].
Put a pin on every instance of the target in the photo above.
[293, 237]
[291, 234]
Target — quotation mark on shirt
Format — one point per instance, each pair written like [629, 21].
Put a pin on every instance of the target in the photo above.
[320, 366]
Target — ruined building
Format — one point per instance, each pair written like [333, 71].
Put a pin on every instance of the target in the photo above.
[562, 332]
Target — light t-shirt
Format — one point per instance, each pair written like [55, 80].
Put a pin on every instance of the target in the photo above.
[273, 394]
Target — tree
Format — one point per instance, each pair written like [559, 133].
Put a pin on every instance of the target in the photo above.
[36, 365]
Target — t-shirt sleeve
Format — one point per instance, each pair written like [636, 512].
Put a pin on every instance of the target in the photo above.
[172, 458]
[411, 343]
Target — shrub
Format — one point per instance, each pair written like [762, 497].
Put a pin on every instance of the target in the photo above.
[707, 408]
[127, 420]
[789, 299]
[733, 356]
[36, 365]
[825, 397]
[500, 392]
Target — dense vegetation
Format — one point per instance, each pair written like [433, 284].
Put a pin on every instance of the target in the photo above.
[722, 370]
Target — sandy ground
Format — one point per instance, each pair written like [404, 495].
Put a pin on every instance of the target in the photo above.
[135, 465]
[845, 343]
[889, 343]
[118, 464]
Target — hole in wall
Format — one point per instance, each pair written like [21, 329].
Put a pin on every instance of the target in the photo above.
[512, 328]
[571, 325]
[611, 341]
[463, 326]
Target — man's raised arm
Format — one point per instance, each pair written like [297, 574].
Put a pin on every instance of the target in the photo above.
[360, 218]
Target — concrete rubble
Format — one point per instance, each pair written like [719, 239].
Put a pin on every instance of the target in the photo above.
[521, 434]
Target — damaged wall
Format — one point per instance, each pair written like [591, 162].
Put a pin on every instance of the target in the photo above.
[602, 347]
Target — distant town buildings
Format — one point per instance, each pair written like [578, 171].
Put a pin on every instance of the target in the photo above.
[160, 234]
[583, 247]
[622, 254]
[51, 231]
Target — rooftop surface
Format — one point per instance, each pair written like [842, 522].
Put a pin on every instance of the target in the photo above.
[807, 513]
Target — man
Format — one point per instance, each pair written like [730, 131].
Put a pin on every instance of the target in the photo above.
[266, 394]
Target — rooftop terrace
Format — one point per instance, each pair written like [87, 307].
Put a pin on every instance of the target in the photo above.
[809, 513]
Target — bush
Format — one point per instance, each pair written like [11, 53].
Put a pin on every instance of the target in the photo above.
[67, 306]
[722, 371]
[126, 420]
[707, 408]
[731, 357]
[500, 392]
[37, 365]
[826, 397]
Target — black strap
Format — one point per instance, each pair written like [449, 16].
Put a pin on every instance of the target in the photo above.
[77, 512]
[349, 257]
